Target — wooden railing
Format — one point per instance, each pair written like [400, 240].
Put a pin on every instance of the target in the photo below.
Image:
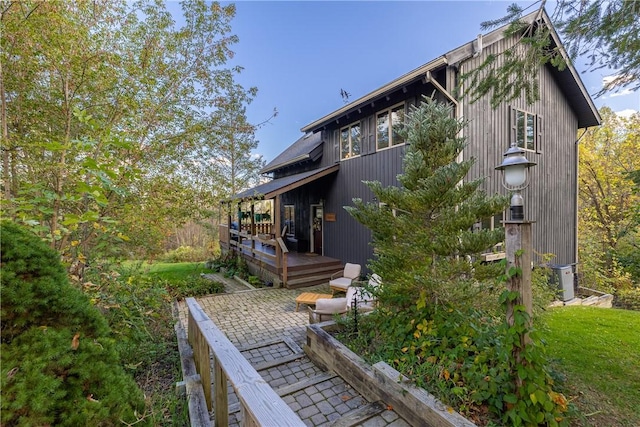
[260, 405]
[233, 238]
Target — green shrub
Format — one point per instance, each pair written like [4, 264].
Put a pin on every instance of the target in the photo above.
[138, 307]
[230, 264]
[185, 254]
[59, 365]
[628, 298]
[193, 287]
[464, 358]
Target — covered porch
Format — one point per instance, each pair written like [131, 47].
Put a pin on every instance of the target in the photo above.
[277, 227]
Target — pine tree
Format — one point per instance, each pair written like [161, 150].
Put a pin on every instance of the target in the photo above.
[423, 237]
[58, 362]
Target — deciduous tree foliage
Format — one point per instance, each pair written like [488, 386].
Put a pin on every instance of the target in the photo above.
[105, 104]
[608, 203]
[606, 33]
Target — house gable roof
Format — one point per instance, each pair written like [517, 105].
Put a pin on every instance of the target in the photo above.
[308, 147]
[278, 186]
[569, 79]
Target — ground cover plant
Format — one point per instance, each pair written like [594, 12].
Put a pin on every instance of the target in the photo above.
[598, 350]
[72, 353]
[137, 299]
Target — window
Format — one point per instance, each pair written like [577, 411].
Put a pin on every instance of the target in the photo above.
[526, 129]
[387, 124]
[350, 139]
[290, 219]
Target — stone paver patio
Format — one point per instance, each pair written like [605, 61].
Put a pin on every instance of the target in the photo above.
[250, 318]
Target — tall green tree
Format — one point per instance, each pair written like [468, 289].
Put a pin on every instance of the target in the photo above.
[608, 203]
[423, 230]
[606, 33]
[104, 104]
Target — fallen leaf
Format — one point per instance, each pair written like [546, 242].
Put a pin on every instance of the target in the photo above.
[75, 342]
[345, 398]
[91, 399]
[12, 372]
[389, 408]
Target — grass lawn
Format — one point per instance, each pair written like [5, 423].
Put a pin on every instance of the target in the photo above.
[599, 352]
[175, 271]
[169, 270]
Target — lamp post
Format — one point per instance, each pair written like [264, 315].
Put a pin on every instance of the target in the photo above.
[518, 246]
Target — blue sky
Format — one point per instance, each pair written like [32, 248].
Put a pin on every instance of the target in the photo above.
[300, 54]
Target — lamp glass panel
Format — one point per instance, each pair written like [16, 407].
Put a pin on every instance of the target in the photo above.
[515, 175]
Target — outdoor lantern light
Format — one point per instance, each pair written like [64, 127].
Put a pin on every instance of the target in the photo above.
[515, 166]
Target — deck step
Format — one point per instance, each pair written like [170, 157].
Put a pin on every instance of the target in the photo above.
[300, 282]
[321, 266]
[335, 267]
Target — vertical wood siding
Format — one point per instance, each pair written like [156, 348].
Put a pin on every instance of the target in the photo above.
[346, 239]
[549, 200]
[551, 196]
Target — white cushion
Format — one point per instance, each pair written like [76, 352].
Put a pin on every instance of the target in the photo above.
[351, 293]
[331, 305]
[340, 282]
[352, 271]
[363, 299]
[375, 280]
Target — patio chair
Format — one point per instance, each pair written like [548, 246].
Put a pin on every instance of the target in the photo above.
[366, 296]
[341, 280]
[327, 308]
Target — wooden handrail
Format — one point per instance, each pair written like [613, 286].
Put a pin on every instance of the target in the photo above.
[283, 245]
[260, 404]
[285, 251]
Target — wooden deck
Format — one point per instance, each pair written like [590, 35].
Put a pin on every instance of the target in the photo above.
[303, 269]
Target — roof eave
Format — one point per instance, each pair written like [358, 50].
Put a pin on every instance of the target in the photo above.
[393, 85]
[284, 164]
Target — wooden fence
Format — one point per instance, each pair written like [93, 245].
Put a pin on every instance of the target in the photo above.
[260, 405]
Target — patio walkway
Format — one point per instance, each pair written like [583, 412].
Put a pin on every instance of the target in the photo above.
[265, 327]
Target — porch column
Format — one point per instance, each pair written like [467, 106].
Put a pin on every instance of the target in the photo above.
[253, 228]
[239, 219]
[228, 212]
[278, 226]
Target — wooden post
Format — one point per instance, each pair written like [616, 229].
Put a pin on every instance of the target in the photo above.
[284, 269]
[229, 221]
[519, 250]
[519, 255]
[221, 397]
[201, 357]
[253, 228]
[278, 225]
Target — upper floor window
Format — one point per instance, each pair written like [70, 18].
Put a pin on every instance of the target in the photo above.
[526, 129]
[387, 124]
[350, 141]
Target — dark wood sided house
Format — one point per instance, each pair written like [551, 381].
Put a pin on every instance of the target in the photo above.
[294, 228]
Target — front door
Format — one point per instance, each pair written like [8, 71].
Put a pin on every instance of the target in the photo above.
[316, 229]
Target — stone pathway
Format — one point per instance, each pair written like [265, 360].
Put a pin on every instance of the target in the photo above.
[265, 327]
